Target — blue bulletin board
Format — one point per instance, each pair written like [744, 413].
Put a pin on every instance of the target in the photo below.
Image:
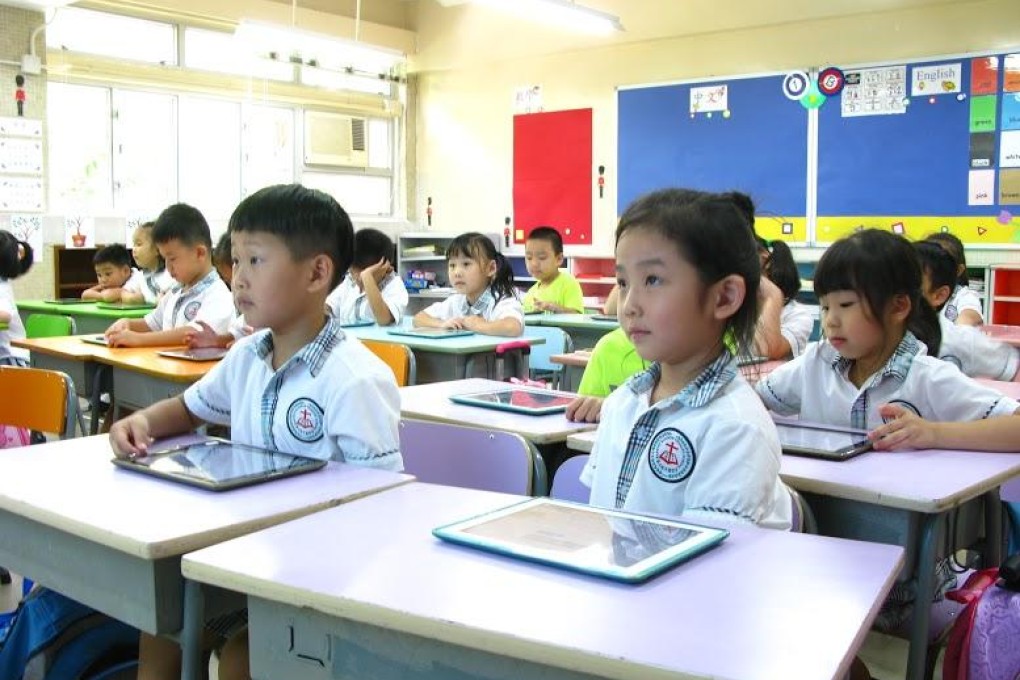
[757, 144]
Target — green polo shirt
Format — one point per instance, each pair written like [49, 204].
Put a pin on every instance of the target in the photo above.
[613, 360]
[564, 291]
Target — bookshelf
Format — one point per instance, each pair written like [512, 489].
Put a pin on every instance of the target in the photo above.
[1004, 298]
[73, 270]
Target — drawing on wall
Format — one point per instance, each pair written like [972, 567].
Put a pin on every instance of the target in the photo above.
[79, 232]
[928, 81]
[875, 92]
[710, 99]
[28, 228]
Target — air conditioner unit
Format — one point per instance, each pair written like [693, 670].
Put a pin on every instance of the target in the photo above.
[336, 140]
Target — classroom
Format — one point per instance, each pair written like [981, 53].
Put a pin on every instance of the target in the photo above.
[426, 120]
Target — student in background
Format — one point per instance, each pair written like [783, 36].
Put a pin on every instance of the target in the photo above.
[222, 259]
[613, 360]
[963, 306]
[976, 354]
[149, 282]
[15, 260]
[873, 365]
[291, 246]
[113, 270]
[784, 325]
[688, 435]
[206, 335]
[485, 300]
[612, 301]
[370, 291]
[182, 236]
[554, 290]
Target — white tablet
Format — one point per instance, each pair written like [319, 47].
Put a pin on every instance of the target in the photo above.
[532, 401]
[96, 340]
[607, 543]
[435, 333]
[822, 441]
[219, 465]
[196, 354]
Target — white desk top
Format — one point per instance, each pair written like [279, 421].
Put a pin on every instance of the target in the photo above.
[432, 402]
[582, 441]
[72, 486]
[764, 604]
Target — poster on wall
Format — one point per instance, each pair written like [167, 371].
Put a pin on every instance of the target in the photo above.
[28, 228]
[927, 81]
[528, 99]
[19, 194]
[984, 75]
[709, 99]
[79, 232]
[875, 92]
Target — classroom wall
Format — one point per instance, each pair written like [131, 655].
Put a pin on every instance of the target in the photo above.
[464, 143]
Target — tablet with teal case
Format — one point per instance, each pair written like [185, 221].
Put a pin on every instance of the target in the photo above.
[434, 333]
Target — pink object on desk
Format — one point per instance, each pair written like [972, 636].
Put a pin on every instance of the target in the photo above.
[1003, 333]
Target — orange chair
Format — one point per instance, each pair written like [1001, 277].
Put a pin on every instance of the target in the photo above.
[398, 357]
[39, 399]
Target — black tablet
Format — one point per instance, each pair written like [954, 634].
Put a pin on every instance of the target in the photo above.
[196, 354]
[532, 401]
[219, 465]
[821, 441]
[609, 543]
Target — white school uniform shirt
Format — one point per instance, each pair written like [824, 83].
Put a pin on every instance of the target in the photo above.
[207, 300]
[149, 283]
[815, 386]
[349, 304]
[333, 400]
[795, 324]
[710, 450]
[486, 306]
[15, 328]
[976, 354]
[238, 327]
[962, 298]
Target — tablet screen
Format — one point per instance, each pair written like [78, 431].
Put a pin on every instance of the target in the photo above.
[809, 439]
[519, 399]
[580, 537]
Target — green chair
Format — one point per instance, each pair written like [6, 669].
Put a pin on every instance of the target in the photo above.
[48, 325]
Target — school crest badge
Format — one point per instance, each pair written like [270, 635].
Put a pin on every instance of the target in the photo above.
[191, 310]
[305, 420]
[671, 455]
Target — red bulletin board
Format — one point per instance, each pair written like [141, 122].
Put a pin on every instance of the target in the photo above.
[553, 174]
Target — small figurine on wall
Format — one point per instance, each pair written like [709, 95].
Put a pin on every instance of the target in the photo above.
[19, 93]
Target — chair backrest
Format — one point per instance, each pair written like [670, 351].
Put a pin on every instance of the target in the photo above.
[566, 484]
[457, 455]
[556, 342]
[45, 400]
[398, 357]
[48, 325]
[803, 517]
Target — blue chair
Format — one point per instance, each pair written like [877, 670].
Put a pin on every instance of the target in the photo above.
[567, 484]
[556, 342]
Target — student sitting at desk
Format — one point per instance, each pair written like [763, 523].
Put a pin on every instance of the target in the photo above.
[688, 436]
[976, 354]
[963, 305]
[300, 386]
[182, 236]
[874, 365]
[784, 325]
[15, 260]
[113, 271]
[370, 291]
[611, 363]
[223, 260]
[150, 282]
[554, 290]
[206, 335]
[485, 301]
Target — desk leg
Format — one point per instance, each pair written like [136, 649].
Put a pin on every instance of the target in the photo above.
[191, 635]
[994, 538]
[925, 574]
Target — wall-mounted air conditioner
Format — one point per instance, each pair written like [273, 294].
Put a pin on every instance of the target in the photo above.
[336, 140]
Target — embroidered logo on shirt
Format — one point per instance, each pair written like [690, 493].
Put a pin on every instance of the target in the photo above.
[191, 310]
[951, 312]
[671, 455]
[907, 405]
[304, 420]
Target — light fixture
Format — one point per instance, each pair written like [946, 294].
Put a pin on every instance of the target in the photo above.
[561, 13]
[314, 49]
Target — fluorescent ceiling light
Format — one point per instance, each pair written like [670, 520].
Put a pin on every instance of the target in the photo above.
[36, 4]
[289, 44]
[561, 13]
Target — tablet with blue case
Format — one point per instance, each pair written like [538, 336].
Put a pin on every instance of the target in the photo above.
[357, 324]
[533, 401]
[608, 543]
[434, 333]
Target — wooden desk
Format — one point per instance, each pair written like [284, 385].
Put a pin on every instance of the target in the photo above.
[88, 317]
[446, 358]
[68, 354]
[141, 377]
[113, 539]
[582, 329]
[398, 603]
[1003, 333]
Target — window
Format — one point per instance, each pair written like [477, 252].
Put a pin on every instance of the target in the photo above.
[268, 143]
[358, 194]
[144, 152]
[209, 155]
[78, 120]
[217, 51]
[112, 35]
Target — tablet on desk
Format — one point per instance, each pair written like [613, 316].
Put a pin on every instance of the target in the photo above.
[125, 305]
[96, 340]
[820, 441]
[604, 317]
[357, 324]
[608, 543]
[196, 354]
[219, 465]
[69, 301]
[529, 400]
[431, 332]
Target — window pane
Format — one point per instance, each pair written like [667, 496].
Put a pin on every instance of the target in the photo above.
[112, 35]
[380, 151]
[209, 154]
[268, 147]
[218, 51]
[144, 152]
[358, 194]
[335, 80]
[79, 148]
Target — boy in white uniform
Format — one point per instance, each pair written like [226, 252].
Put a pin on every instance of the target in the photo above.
[301, 385]
[370, 291]
[182, 236]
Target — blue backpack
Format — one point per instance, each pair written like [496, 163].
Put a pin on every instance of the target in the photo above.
[52, 637]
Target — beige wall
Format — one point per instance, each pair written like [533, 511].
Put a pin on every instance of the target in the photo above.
[464, 128]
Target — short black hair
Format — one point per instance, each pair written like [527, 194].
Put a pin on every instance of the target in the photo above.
[548, 234]
[954, 246]
[222, 253]
[938, 263]
[370, 246]
[183, 223]
[11, 264]
[115, 254]
[782, 269]
[308, 221]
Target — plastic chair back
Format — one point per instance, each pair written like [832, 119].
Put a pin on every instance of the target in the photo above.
[48, 325]
[398, 357]
[566, 484]
[556, 342]
[456, 455]
[45, 401]
[803, 518]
